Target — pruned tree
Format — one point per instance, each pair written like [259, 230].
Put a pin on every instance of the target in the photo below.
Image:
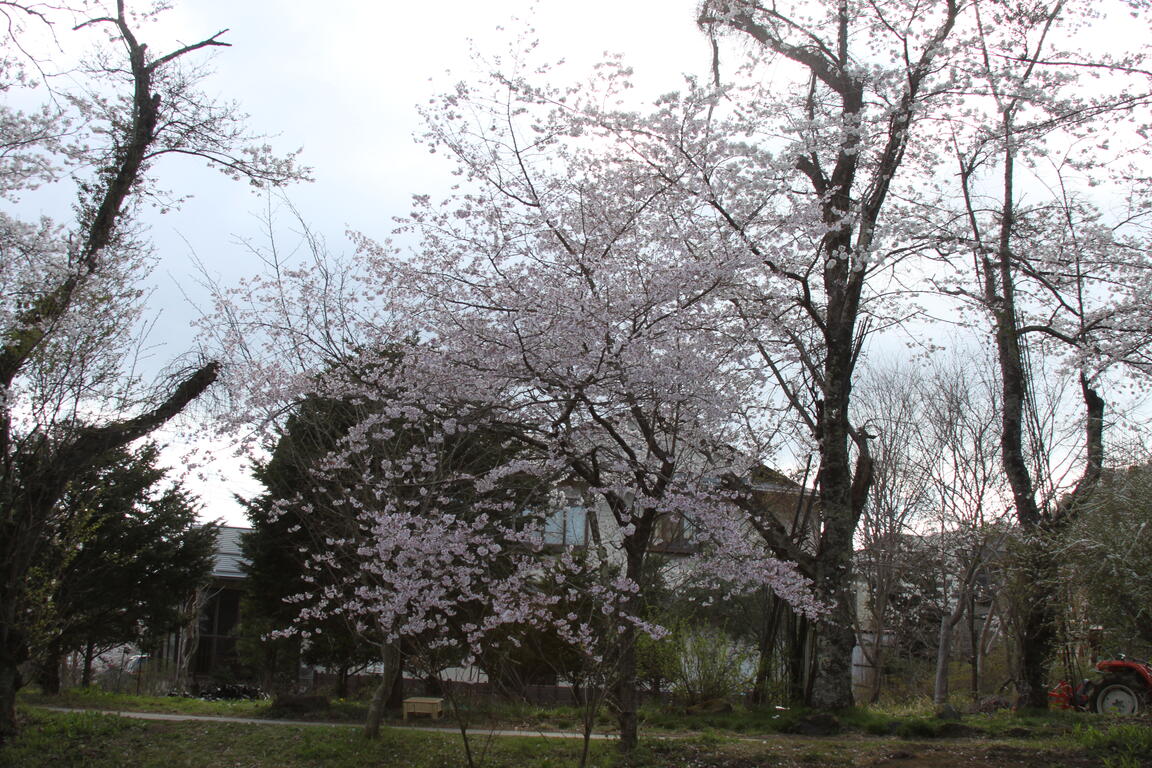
[70, 290]
[1047, 268]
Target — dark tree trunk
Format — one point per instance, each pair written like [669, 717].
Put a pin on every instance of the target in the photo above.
[390, 658]
[9, 683]
[48, 671]
[395, 702]
[1037, 642]
[842, 494]
[89, 654]
[799, 634]
[973, 650]
[768, 646]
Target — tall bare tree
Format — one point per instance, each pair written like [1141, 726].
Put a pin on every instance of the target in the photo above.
[1042, 270]
[68, 288]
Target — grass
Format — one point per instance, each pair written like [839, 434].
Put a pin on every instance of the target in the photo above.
[94, 698]
[72, 740]
[910, 722]
[89, 740]
[1123, 745]
[338, 711]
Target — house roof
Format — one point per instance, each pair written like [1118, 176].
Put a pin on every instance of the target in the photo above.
[228, 561]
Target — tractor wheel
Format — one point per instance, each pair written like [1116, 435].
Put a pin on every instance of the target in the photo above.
[1115, 698]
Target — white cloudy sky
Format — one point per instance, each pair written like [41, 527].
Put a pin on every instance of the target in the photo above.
[342, 80]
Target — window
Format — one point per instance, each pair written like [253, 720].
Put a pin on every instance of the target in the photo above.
[673, 536]
[567, 526]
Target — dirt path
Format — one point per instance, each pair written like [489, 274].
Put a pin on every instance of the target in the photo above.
[178, 717]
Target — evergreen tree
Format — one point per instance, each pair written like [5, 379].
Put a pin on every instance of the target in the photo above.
[126, 546]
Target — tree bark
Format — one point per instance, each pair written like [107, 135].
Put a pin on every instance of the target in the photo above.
[1038, 621]
[948, 624]
[627, 699]
[768, 645]
[48, 673]
[9, 683]
[390, 659]
[842, 494]
[89, 654]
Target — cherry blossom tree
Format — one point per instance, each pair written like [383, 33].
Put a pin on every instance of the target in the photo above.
[70, 289]
[568, 293]
[1051, 270]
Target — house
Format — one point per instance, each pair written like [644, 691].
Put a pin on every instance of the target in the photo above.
[204, 650]
[215, 654]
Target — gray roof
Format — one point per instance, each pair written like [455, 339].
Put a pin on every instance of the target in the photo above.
[229, 559]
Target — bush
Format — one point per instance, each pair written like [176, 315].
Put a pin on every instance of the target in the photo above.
[710, 666]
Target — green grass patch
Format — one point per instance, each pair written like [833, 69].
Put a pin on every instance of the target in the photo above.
[1119, 745]
[88, 740]
[94, 698]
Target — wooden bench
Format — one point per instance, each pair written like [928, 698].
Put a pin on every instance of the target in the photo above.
[424, 705]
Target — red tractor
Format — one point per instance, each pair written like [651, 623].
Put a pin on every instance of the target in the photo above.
[1125, 688]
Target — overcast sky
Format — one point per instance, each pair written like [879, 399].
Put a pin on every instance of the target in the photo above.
[342, 81]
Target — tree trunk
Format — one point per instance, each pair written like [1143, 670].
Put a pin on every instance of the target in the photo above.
[13, 653]
[1037, 621]
[832, 682]
[948, 624]
[767, 649]
[395, 702]
[390, 659]
[973, 651]
[9, 683]
[48, 671]
[987, 635]
[627, 698]
[89, 654]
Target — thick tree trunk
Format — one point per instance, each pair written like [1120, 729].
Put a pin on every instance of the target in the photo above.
[1037, 640]
[626, 698]
[9, 683]
[395, 702]
[842, 494]
[13, 652]
[48, 671]
[832, 683]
